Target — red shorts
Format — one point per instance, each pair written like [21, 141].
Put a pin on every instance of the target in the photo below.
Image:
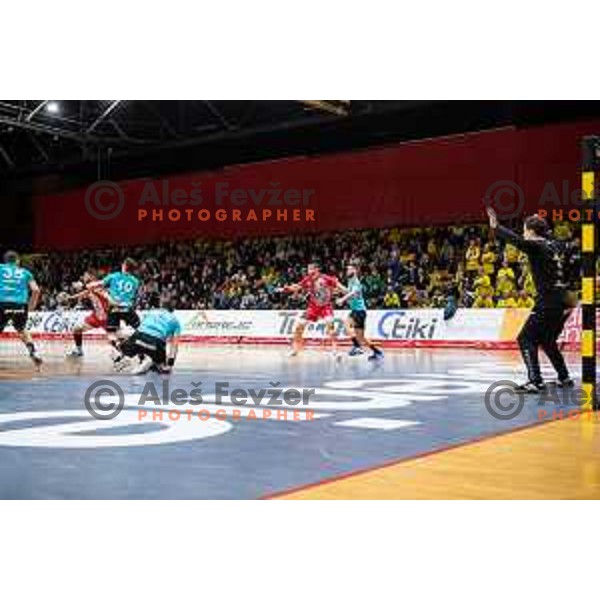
[318, 313]
[95, 322]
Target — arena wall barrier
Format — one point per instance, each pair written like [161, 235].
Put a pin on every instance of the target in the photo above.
[421, 183]
[477, 328]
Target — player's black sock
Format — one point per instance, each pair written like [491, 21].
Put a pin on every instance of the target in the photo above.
[30, 347]
[375, 349]
[78, 337]
[355, 342]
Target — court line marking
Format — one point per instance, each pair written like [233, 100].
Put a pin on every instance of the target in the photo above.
[397, 461]
[376, 423]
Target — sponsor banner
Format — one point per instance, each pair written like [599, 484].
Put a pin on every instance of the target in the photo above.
[473, 328]
[512, 323]
[572, 331]
[429, 325]
[397, 325]
[221, 323]
[391, 325]
[54, 322]
[514, 319]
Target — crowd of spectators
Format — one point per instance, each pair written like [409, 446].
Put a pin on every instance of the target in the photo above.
[404, 268]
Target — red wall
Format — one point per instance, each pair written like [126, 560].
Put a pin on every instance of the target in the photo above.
[424, 182]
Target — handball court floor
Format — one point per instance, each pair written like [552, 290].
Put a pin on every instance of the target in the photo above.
[412, 426]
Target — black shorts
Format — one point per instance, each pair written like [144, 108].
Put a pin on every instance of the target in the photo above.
[359, 318]
[142, 344]
[115, 317]
[10, 312]
[545, 323]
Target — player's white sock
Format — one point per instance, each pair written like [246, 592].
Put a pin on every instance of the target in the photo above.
[123, 364]
[143, 367]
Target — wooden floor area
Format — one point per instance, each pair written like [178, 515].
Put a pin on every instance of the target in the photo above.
[555, 460]
[429, 439]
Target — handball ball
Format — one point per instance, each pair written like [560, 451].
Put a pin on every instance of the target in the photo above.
[77, 287]
[62, 298]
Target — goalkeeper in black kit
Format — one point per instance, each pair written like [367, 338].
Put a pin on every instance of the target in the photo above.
[552, 305]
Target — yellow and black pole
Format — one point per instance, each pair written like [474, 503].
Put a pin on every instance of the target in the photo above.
[590, 178]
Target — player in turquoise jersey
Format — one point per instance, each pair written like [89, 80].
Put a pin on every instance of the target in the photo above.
[358, 314]
[122, 287]
[19, 294]
[158, 328]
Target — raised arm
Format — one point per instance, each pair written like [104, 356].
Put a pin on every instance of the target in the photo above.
[340, 287]
[79, 295]
[347, 295]
[507, 234]
[95, 284]
[290, 287]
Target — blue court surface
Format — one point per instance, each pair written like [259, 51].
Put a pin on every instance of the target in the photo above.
[360, 415]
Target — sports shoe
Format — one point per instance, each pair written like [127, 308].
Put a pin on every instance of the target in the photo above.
[531, 387]
[377, 355]
[565, 383]
[356, 351]
[144, 366]
[115, 354]
[120, 363]
[36, 358]
[77, 353]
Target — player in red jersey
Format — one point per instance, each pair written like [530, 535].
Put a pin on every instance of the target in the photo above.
[320, 289]
[97, 319]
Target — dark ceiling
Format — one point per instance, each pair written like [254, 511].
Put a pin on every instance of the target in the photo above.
[116, 139]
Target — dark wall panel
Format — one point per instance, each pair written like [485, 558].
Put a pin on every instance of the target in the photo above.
[426, 182]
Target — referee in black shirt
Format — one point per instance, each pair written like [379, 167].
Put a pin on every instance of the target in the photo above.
[551, 309]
